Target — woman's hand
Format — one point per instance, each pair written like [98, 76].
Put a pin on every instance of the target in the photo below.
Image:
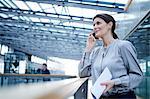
[109, 84]
[90, 43]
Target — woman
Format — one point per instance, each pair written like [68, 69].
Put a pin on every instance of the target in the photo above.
[118, 55]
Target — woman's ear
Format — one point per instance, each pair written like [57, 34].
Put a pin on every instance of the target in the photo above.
[110, 24]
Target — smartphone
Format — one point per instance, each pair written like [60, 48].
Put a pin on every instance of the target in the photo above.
[94, 35]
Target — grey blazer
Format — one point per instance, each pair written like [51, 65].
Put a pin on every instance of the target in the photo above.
[121, 59]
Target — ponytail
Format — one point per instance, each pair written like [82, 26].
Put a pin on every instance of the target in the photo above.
[115, 35]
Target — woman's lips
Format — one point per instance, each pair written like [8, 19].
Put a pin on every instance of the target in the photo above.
[97, 30]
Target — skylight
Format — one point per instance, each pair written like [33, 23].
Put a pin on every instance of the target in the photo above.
[44, 20]
[34, 6]
[10, 3]
[35, 19]
[6, 4]
[1, 5]
[3, 15]
[116, 1]
[21, 5]
[123, 17]
[55, 21]
[60, 9]
[77, 24]
[47, 8]
[27, 19]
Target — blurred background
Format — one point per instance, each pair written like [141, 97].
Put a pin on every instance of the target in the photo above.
[33, 32]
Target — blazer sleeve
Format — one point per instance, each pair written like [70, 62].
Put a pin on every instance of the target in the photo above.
[85, 65]
[135, 75]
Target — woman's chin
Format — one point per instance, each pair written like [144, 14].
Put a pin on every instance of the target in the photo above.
[96, 37]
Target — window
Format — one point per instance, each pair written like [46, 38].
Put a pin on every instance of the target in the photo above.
[37, 60]
[4, 49]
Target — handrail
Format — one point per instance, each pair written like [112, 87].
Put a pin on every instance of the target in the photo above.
[127, 5]
[37, 75]
[46, 90]
[143, 90]
[12, 79]
[138, 24]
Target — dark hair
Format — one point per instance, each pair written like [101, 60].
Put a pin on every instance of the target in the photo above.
[45, 64]
[108, 18]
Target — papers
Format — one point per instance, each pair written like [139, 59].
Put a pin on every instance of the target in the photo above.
[97, 89]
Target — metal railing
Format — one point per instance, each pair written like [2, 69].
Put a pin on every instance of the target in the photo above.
[143, 90]
[63, 89]
[13, 79]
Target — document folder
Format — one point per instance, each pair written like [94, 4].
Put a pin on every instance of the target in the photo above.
[97, 89]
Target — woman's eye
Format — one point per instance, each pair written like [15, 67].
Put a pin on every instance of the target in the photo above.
[98, 23]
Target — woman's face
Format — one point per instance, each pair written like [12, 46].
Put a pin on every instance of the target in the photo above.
[100, 27]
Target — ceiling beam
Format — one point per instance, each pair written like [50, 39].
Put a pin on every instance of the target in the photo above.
[46, 51]
[95, 6]
[40, 26]
[99, 2]
[50, 16]
[38, 38]
[66, 39]
[14, 30]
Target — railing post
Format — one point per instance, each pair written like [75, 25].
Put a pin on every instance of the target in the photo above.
[2, 79]
[82, 92]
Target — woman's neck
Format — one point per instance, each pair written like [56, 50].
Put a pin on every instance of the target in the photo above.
[107, 40]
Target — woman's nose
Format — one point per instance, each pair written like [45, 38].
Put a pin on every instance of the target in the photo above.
[95, 27]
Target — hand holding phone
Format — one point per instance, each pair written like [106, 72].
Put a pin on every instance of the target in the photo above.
[91, 40]
[94, 35]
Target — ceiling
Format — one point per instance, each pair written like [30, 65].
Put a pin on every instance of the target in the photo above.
[52, 28]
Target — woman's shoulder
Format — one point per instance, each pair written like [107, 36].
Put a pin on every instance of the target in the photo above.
[124, 43]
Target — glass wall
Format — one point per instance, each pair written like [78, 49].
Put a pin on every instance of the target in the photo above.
[1, 64]
[137, 10]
